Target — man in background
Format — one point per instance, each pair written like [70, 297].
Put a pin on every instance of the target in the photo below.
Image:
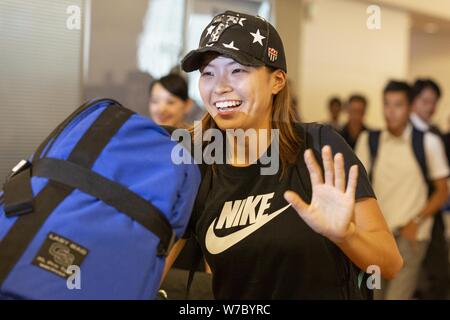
[334, 111]
[435, 281]
[356, 109]
[394, 158]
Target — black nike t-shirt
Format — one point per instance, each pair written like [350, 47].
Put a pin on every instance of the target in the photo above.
[256, 244]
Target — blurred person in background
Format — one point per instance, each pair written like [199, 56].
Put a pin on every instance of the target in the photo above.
[334, 111]
[356, 109]
[397, 168]
[169, 102]
[435, 281]
[447, 139]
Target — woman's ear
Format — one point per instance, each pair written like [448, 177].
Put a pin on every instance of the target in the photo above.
[279, 81]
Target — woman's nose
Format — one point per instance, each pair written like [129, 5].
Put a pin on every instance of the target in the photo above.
[222, 86]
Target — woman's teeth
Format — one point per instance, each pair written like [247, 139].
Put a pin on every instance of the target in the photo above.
[224, 105]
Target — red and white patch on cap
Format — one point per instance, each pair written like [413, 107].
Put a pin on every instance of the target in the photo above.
[273, 54]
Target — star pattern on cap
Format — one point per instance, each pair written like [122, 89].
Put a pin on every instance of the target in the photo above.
[242, 20]
[210, 30]
[257, 37]
[230, 45]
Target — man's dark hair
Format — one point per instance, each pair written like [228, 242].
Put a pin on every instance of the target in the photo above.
[358, 97]
[334, 100]
[175, 84]
[399, 86]
[422, 84]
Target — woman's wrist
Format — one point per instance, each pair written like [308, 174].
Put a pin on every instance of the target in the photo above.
[351, 230]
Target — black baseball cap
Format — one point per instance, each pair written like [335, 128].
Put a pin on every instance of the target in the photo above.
[250, 40]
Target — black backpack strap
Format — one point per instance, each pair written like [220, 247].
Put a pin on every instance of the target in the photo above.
[374, 140]
[445, 138]
[436, 131]
[197, 258]
[26, 226]
[202, 195]
[310, 134]
[419, 152]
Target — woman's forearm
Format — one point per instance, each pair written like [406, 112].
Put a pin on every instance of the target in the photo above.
[377, 248]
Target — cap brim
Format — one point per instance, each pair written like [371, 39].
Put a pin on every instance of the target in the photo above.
[194, 59]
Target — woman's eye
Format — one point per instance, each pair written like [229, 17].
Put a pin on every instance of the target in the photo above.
[206, 73]
[239, 70]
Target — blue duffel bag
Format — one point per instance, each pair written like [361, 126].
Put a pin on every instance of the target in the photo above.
[94, 211]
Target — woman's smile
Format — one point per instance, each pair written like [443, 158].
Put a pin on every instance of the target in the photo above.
[227, 107]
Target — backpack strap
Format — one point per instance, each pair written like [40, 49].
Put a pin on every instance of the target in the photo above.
[199, 205]
[419, 152]
[310, 133]
[374, 139]
[418, 148]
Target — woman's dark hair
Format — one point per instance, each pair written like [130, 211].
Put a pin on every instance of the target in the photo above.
[399, 86]
[175, 84]
[422, 84]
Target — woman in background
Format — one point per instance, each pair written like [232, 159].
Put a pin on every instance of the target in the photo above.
[169, 102]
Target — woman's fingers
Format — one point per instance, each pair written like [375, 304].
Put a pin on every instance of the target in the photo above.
[352, 181]
[315, 172]
[328, 165]
[334, 171]
[339, 172]
[294, 199]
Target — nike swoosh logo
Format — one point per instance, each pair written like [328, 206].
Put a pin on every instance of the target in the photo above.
[216, 245]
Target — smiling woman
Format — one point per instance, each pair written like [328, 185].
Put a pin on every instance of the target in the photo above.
[259, 236]
[242, 104]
